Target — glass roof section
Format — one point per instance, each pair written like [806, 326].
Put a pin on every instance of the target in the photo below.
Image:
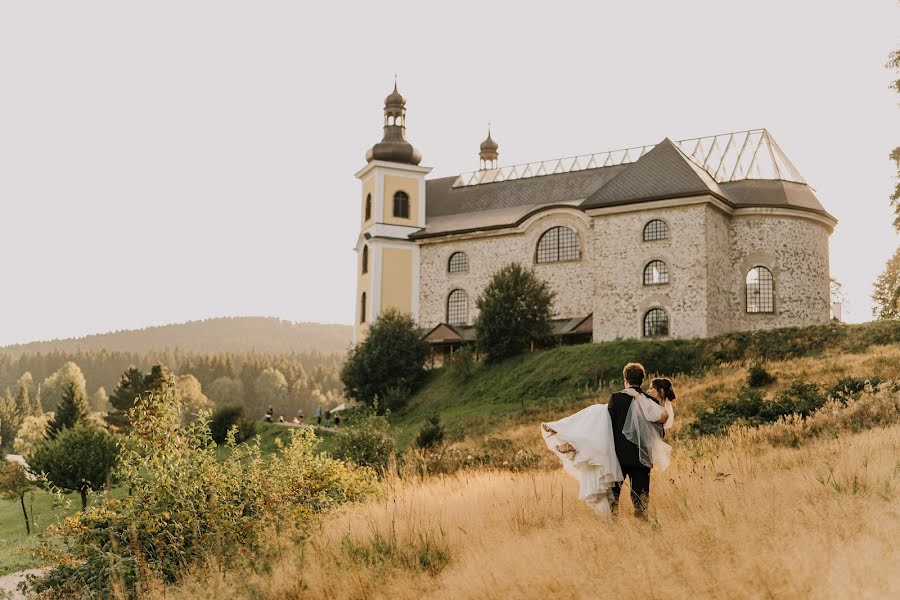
[726, 157]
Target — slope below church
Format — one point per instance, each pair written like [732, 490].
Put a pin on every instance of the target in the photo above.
[692, 238]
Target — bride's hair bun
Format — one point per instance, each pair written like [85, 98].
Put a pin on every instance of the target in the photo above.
[665, 386]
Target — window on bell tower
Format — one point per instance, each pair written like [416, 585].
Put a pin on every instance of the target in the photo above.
[368, 207]
[401, 205]
[365, 260]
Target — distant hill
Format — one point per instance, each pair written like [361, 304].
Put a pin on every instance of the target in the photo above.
[225, 334]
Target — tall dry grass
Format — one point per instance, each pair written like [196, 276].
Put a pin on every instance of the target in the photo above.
[733, 518]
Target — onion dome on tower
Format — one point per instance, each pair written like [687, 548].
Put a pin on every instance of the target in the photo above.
[393, 147]
[489, 152]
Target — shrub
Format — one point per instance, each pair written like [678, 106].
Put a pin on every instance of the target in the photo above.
[514, 312]
[231, 416]
[431, 434]
[366, 441]
[849, 388]
[462, 364]
[758, 377]
[188, 507]
[80, 459]
[752, 409]
[391, 358]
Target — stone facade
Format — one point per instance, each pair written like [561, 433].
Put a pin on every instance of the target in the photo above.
[708, 253]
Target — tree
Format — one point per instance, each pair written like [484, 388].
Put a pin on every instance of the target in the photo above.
[190, 397]
[100, 400]
[886, 294]
[55, 386]
[14, 484]
[24, 405]
[514, 311]
[32, 434]
[226, 391]
[72, 409]
[271, 388]
[9, 419]
[132, 385]
[388, 364]
[80, 459]
[227, 417]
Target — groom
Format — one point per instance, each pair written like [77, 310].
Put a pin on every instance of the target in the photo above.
[627, 452]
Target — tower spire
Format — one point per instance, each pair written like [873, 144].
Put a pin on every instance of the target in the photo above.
[489, 152]
[393, 147]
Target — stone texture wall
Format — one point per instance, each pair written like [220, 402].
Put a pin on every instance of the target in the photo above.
[796, 251]
[622, 299]
[718, 272]
[708, 254]
[570, 280]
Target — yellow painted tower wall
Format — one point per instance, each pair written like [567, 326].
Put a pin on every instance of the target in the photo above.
[396, 279]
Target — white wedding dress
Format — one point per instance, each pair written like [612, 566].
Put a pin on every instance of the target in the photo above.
[592, 458]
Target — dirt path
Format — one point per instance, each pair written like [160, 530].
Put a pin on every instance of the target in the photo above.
[9, 582]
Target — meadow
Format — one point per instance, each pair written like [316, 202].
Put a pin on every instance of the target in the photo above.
[750, 514]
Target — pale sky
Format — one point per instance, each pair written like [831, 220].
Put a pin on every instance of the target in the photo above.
[174, 160]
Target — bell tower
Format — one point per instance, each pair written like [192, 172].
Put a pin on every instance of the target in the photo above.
[392, 209]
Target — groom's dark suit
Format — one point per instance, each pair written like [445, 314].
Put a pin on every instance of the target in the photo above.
[628, 455]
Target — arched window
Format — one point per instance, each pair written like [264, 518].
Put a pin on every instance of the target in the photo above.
[760, 291]
[362, 308]
[656, 323]
[656, 273]
[558, 244]
[365, 260]
[458, 262]
[368, 207]
[656, 230]
[457, 308]
[401, 205]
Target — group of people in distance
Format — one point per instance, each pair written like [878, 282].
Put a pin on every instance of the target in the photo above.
[605, 443]
[300, 419]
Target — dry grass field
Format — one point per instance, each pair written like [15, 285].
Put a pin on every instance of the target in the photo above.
[734, 517]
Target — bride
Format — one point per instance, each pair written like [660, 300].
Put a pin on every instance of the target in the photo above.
[584, 441]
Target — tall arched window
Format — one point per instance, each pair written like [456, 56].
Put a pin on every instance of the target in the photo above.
[656, 273]
[558, 244]
[656, 323]
[760, 290]
[656, 230]
[362, 308]
[458, 262]
[401, 205]
[368, 206]
[365, 260]
[457, 308]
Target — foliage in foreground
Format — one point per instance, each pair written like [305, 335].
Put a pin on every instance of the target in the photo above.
[187, 507]
[388, 365]
[367, 441]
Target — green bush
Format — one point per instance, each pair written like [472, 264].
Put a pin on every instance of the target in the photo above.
[80, 459]
[431, 434]
[462, 364]
[513, 312]
[758, 377]
[226, 417]
[366, 441]
[188, 507]
[751, 408]
[849, 388]
[389, 364]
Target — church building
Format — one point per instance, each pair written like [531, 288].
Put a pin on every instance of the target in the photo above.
[690, 238]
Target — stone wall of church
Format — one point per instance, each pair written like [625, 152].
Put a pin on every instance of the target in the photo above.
[718, 272]
[570, 280]
[620, 253]
[796, 251]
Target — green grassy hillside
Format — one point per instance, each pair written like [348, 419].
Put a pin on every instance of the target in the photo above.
[534, 383]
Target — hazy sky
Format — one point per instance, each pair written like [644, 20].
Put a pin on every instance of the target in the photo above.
[173, 160]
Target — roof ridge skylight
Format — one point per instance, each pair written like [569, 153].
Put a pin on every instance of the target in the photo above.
[734, 156]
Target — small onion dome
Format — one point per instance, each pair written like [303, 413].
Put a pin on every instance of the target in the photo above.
[394, 98]
[489, 148]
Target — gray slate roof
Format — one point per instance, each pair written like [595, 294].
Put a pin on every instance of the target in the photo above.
[663, 172]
